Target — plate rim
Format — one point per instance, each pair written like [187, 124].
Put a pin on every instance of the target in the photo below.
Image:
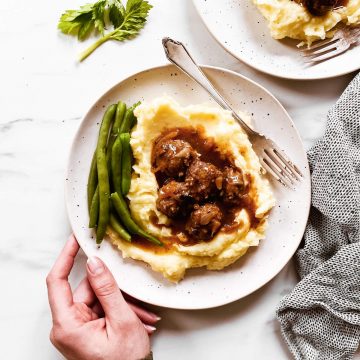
[233, 73]
[248, 63]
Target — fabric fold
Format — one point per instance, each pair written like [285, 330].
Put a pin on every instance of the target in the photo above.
[320, 318]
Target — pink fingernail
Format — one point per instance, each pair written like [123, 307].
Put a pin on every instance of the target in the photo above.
[154, 316]
[95, 265]
[150, 328]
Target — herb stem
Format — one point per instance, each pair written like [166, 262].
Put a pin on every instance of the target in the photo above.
[94, 46]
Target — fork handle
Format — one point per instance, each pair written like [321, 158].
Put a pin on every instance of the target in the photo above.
[178, 55]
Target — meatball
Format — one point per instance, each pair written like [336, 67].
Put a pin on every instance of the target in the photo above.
[204, 222]
[233, 186]
[173, 199]
[203, 179]
[320, 7]
[172, 157]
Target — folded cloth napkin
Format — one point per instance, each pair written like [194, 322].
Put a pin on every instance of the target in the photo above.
[320, 318]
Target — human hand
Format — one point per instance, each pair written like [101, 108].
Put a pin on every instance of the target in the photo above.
[95, 322]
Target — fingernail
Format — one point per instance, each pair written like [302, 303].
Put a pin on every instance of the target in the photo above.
[150, 328]
[154, 316]
[95, 265]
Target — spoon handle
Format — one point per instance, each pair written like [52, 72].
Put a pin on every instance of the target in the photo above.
[178, 55]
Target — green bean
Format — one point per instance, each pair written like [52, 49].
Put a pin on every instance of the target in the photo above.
[116, 167]
[124, 214]
[119, 228]
[126, 158]
[94, 209]
[103, 175]
[104, 191]
[92, 181]
[119, 117]
[129, 119]
[121, 208]
[134, 119]
[105, 126]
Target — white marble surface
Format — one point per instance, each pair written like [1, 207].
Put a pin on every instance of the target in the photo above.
[44, 93]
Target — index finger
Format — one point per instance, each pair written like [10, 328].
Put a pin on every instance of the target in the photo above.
[59, 290]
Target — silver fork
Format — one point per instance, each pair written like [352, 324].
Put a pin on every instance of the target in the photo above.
[272, 158]
[329, 48]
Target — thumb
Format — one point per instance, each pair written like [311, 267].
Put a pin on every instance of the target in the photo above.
[106, 290]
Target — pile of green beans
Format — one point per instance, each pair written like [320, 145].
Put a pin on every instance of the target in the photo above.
[110, 176]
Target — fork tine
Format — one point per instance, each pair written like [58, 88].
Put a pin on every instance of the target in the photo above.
[295, 170]
[321, 50]
[283, 168]
[328, 55]
[278, 168]
[320, 43]
[275, 173]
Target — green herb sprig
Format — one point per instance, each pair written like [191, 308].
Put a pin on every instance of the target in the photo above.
[126, 21]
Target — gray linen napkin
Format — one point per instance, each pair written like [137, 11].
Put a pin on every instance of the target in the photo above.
[320, 318]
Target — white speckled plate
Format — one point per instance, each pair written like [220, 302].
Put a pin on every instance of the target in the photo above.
[200, 288]
[241, 29]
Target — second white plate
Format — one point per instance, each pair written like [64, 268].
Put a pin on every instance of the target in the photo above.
[240, 28]
[200, 288]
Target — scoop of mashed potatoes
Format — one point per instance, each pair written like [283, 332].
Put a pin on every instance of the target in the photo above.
[287, 18]
[226, 247]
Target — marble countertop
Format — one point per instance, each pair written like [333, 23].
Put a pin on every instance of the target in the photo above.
[44, 93]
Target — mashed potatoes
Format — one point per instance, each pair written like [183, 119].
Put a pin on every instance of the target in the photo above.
[225, 247]
[289, 19]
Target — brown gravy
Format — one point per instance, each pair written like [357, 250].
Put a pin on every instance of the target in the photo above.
[209, 152]
[321, 7]
[205, 146]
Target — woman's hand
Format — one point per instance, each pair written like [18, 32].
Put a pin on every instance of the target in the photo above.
[95, 322]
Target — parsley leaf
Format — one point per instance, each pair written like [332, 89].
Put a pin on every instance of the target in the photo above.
[134, 20]
[78, 22]
[98, 15]
[116, 13]
[126, 21]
